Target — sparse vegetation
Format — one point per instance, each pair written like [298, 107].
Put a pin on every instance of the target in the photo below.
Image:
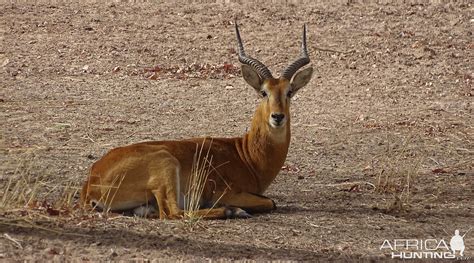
[397, 167]
[28, 190]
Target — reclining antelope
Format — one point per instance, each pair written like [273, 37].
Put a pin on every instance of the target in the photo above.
[243, 167]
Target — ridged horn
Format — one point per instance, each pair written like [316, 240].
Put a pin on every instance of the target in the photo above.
[299, 63]
[261, 69]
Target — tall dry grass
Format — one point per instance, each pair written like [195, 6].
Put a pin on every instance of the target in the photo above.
[109, 191]
[22, 187]
[200, 171]
[29, 188]
[202, 167]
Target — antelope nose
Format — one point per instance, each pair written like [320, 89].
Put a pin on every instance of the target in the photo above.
[278, 117]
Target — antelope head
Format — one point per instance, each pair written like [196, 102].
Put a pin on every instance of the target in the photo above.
[274, 108]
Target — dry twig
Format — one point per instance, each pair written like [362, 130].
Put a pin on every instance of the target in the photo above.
[14, 241]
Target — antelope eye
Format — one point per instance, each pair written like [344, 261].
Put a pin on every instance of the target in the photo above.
[263, 93]
[289, 94]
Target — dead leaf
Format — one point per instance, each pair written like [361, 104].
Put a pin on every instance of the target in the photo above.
[290, 168]
[228, 67]
[51, 211]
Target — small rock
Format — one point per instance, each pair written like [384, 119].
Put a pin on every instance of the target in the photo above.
[229, 87]
[418, 53]
[116, 69]
[85, 68]
[424, 52]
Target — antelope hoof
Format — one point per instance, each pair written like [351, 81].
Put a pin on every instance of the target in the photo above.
[235, 212]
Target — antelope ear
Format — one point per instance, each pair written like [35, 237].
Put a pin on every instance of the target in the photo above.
[301, 79]
[252, 77]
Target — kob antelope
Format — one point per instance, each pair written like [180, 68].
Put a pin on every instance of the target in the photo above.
[158, 172]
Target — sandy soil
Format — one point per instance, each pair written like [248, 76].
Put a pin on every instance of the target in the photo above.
[382, 144]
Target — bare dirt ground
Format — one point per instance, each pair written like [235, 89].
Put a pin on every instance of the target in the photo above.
[382, 144]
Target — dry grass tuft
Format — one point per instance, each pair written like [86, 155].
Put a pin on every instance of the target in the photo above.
[200, 171]
[398, 168]
[22, 187]
[108, 194]
[28, 189]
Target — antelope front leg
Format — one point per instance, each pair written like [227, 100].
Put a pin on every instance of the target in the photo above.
[250, 202]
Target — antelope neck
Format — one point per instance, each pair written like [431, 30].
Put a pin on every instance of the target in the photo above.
[265, 150]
